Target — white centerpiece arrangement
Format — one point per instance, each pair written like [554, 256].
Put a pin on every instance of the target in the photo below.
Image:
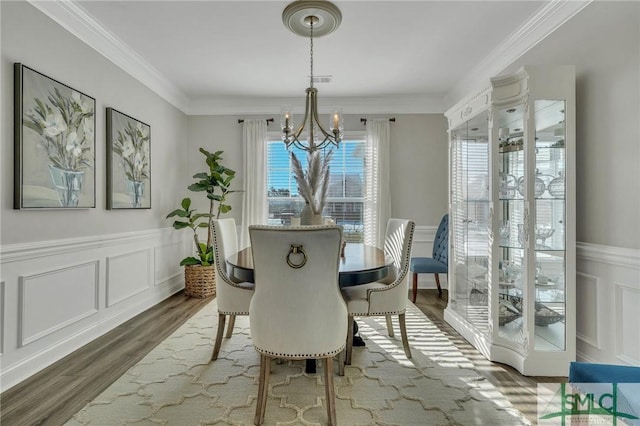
[313, 185]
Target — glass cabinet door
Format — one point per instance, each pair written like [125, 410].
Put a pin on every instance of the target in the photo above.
[549, 226]
[470, 219]
[512, 219]
[511, 234]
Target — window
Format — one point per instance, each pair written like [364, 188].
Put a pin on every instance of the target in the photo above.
[345, 198]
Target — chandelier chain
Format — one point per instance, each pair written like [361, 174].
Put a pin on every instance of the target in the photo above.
[311, 49]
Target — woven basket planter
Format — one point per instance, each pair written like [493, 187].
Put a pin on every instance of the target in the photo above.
[199, 281]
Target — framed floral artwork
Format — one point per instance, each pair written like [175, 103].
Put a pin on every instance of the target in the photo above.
[128, 162]
[54, 143]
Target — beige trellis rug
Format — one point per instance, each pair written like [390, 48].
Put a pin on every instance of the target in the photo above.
[176, 385]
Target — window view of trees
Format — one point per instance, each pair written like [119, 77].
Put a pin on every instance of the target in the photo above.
[345, 199]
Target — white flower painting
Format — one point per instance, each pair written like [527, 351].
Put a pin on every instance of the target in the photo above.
[54, 143]
[128, 162]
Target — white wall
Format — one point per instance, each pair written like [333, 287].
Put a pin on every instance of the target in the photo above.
[68, 276]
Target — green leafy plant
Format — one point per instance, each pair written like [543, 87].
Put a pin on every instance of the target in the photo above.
[215, 183]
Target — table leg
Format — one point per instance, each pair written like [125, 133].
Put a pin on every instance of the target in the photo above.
[357, 340]
[310, 367]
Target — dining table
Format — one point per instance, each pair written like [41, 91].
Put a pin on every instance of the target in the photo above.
[359, 264]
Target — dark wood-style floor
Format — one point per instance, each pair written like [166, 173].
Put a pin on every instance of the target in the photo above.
[54, 395]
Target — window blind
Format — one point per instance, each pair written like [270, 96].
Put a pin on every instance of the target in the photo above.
[346, 191]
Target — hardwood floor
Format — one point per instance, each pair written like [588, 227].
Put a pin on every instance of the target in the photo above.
[52, 396]
[55, 394]
[520, 390]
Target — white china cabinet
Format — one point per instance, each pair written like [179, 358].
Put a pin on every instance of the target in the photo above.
[512, 220]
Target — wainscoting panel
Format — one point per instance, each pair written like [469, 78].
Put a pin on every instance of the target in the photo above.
[608, 302]
[587, 301]
[127, 275]
[2, 311]
[56, 296]
[626, 316]
[166, 267]
[52, 300]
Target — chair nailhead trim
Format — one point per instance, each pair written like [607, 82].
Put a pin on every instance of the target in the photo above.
[300, 356]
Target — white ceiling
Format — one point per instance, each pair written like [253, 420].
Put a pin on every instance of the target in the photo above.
[237, 56]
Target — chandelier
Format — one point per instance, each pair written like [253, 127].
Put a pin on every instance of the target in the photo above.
[311, 18]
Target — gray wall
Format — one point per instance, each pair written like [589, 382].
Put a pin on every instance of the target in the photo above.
[603, 41]
[216, 133]
[30, 37]
[418, 160]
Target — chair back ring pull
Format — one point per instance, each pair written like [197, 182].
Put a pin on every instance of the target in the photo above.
[296, 249]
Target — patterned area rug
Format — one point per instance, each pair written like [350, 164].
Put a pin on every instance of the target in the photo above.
[176, 385]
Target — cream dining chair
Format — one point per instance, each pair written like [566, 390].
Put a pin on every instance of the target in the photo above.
[388, 297]
[297, 311]
[233, 297]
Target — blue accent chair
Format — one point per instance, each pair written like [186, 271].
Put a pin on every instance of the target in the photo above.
[438, 263]
[586, 372]
[589, 378]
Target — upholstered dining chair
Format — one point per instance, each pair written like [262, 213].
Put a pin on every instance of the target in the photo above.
[297, 311]
[388, 297]
[233, 297]
[438, 263]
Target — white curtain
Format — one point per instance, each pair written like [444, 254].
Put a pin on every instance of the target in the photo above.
[377, 200]
[254, 198]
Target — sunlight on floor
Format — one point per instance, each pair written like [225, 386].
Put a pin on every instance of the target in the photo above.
[428, 340]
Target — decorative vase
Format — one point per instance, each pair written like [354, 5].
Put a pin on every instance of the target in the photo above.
[556, 186]
[308, 217]
[538, 189]
[508, 185]
[135, 188]
[68, 184]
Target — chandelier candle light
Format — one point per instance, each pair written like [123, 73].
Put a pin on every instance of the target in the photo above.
[309, 18]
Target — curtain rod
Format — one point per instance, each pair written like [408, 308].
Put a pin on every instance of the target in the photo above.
[269, 120]
[364, 120]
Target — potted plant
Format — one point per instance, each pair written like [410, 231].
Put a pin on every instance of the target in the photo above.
[215, 183]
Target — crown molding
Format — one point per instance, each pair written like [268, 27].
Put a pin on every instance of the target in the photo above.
[545, 21]
[74, 19]
[78, 22]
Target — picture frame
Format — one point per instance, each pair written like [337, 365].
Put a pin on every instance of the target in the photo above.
[128, 162]
[54, 143]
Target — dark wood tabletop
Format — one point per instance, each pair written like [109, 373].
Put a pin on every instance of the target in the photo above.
[361, 264]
